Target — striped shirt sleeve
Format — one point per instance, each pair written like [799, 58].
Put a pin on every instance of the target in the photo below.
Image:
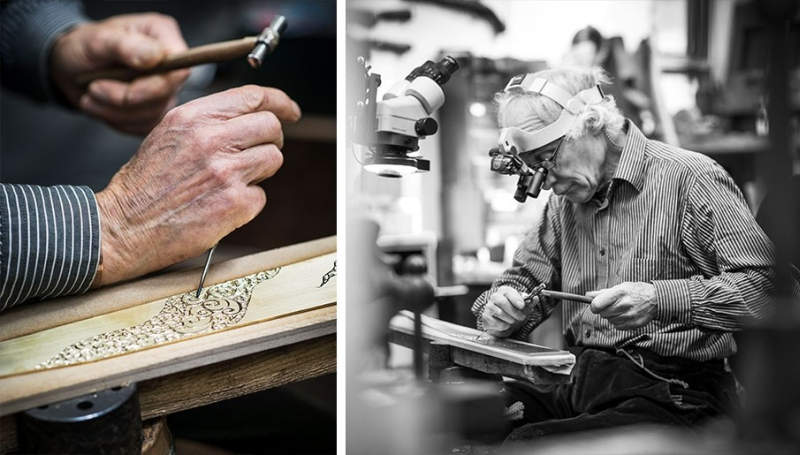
[734, 254]
[49, 242]
[537, 260]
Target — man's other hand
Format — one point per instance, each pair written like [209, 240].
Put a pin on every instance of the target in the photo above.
[138, 41]
[504, 312]
[193, 180]
[627, 306]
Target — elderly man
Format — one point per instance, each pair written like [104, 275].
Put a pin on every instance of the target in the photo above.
[192, 181]
[660, 237]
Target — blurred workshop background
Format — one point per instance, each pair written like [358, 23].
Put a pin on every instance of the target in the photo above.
[48, 145]
[689, 73]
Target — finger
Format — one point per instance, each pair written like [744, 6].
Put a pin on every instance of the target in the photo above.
[129, 47]
[252, 199]
[514, 297]
[511, 310]
[594, 294]
[260, 162]
[502, 316]
[497, 326]
[114, 114]
[605, 298]
[167, 31]
[244, 100]
[153, 87]
[252, 129]
[613, 310]
[494, 311]
[142, 91]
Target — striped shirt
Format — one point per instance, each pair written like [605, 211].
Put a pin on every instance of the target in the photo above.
[671, 217]
[49, 241]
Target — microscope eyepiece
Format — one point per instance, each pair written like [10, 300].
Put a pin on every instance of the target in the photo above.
[447, 66]
[439, 71]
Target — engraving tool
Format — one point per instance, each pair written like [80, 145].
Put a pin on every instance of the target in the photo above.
[265, 43]
[205, 270]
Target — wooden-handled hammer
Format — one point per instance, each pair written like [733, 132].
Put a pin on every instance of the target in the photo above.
[255, 47]
[540, 290]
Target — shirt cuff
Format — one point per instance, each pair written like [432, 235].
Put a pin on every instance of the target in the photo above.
[49, 241]
[673, 298]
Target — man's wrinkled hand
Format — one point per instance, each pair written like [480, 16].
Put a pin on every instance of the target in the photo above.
[505, 312]
[138, 41]
[193, 180]
[627, 306]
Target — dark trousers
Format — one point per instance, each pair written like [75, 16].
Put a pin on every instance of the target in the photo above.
[609, 389]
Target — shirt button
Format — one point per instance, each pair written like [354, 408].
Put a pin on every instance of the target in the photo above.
[587, 333]
[602, 251]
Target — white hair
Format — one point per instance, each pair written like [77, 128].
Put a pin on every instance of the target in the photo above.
[531, 111]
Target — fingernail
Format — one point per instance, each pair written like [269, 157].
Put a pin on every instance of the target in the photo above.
[148, 53]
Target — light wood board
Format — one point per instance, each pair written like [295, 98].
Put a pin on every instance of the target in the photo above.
[281, 311]
[526, 354]
[37, 316]
[293, 289]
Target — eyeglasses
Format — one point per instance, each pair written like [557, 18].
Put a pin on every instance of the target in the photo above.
[548, 154]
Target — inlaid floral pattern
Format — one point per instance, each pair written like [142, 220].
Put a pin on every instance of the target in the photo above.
[219, 306]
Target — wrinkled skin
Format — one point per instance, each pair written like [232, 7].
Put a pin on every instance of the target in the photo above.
[627, 305]
[505, 311]
[581, 168]
[138, 41]
[192, 181]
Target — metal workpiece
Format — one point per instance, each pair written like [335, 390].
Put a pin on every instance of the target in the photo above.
[267, 41]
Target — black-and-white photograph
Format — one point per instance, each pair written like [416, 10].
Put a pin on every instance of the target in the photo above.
[572, 227]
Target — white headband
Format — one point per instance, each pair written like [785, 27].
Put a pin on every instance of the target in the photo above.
[572, 106]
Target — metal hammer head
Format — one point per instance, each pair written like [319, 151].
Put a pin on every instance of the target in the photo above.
[267, 41]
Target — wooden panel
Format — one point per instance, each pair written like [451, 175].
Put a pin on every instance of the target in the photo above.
[34, 317]
[293, 304]
[446, 355]
[293, 288]
[468, 339]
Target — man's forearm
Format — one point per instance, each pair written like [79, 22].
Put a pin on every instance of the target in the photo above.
[724, 302]
[28, 29]
[49, 241]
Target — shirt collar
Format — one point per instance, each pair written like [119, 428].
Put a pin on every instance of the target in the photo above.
[631, 163]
